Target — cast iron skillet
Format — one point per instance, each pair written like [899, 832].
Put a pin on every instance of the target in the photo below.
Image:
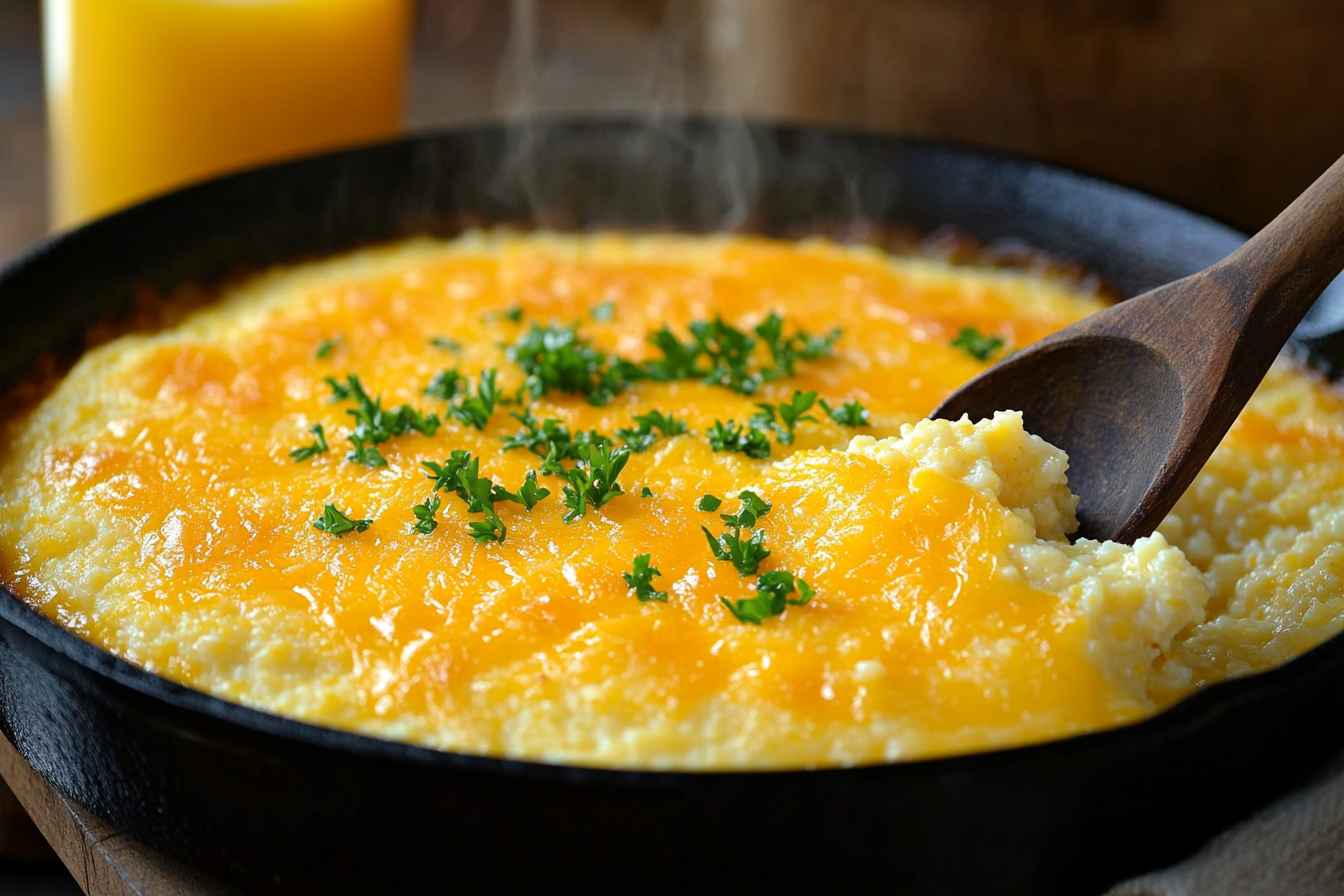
[280, 804]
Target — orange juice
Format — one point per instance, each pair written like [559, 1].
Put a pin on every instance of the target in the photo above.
[144, 95]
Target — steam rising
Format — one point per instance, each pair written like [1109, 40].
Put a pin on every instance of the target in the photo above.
[664, 170]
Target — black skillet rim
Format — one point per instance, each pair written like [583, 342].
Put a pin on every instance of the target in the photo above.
[1191, 711]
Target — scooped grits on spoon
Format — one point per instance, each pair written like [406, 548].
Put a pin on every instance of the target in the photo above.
[655, 502]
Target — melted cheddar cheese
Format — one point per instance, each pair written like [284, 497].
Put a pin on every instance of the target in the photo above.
[150, 504]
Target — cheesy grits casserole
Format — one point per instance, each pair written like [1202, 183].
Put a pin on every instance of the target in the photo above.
[663, 502]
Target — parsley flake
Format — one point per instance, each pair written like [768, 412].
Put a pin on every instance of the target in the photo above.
[339, 391]
[753, 508]
[787, 351]
[366, 454]
[529, 494]
[445, 344]
[374, 424]
[745, 554]
[720, 354]
[479, 493]
[679, 359]
[551, 441]
[487, 530]
[733, 436]
[592, 481]
[784, 417]
[425, 512]
[976, 344]
[640, 579]
[475, 410]
[728, 351]
[559, 359]
[318, 446]
[536, 436]
[461, 475]
[445, 474]
[446, 384]
[851, 413]
[773, 590]
[336, 523]
[326, 347]
[642, 436]
[708, 503]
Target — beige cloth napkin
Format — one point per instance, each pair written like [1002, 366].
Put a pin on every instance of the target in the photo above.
[1294, 847]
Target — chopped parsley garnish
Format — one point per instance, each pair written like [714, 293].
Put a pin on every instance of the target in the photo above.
[552, 442]
[446, 384]
[558, 359]
[425, 513]
[445, 474]
[475, 410]
[642, 435]
[408, 419]
[487, 530]
[461, 475]
[366, 454]
[721, 354]
[592, 481]
[787, 351]
[326, 347]
[537, 437]
[708, 503]
[851, 413]
[514, 314]
[339, 390]
[646, 492]
[551, 464]
[977, 344]
[773, 596]
[604, 312]
[374, 424]
[728, 351]
[784, 417]
[679, 359]
[479, 493]
[733, 436]
[745, 554]
[446, 344]
[337, 523]
[640, 578]
[529, 494]
[753, 508]
[318, 446]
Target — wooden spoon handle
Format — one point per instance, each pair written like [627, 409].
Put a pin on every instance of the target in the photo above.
[1279, 273]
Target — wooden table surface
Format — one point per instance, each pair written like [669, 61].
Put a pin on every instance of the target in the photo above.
[102, 861]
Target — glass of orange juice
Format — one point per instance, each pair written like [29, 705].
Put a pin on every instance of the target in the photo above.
[144, 95]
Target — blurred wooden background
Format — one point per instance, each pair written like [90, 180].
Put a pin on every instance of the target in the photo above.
[1231, 108]
[1228, 107]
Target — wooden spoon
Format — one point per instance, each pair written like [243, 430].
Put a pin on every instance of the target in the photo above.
[1140, 394]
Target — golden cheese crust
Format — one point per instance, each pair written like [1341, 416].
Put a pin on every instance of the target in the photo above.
[151, 504]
